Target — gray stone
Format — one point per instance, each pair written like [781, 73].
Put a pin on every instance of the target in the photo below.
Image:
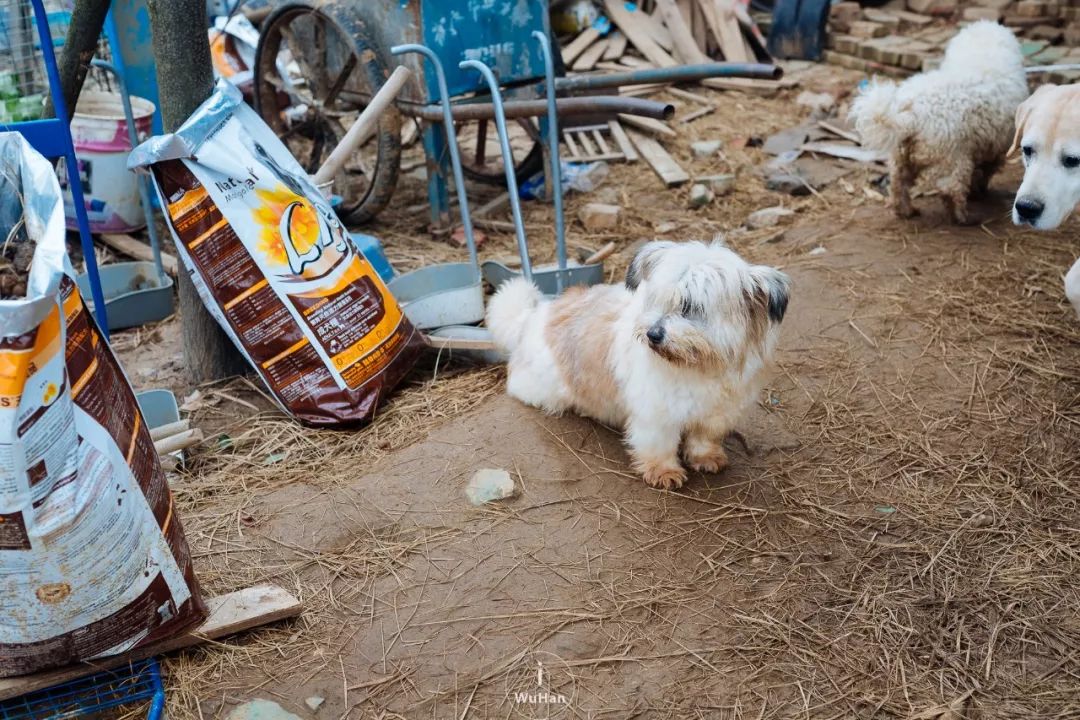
[489, 485]
[788, 183]
[768, 217]
[720, 184]
[705, 148]
[700, 195]
[314, 702]
[260, 710]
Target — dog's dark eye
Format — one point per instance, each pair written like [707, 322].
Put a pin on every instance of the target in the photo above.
[1028, 151]
[1070, 161]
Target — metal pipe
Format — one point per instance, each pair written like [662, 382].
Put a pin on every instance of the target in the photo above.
[143, 180]
[681, 73]
[554, 166]
[596, 105]
[508, 161]
[451, 143]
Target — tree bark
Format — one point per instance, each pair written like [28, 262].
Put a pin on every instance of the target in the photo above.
[80, 45]
[185, 79]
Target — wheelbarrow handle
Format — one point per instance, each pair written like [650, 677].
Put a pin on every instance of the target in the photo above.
[364, 126]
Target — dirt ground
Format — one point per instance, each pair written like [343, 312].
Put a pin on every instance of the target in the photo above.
[902, 539]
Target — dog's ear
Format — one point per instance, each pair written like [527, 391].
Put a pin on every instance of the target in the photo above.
[1024, 112]
[644, 262]
[772, 291]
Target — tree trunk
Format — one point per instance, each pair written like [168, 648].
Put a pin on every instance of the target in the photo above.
[185, 79]
[80, 45]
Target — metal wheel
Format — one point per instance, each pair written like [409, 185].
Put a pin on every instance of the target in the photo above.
[481, 158]
[312, 79]
[481, 155]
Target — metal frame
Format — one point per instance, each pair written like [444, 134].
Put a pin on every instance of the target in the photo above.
[52, 138]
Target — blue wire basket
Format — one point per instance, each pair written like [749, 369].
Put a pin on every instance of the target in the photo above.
[135, 683]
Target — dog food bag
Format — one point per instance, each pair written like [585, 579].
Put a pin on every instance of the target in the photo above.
[93, 560]
[275, 266]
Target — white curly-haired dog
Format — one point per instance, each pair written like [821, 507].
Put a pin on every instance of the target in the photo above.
[673, 356]
[954, 122]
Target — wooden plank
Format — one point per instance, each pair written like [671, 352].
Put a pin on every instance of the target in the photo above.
[637, 28]
[229, 614]
[836, 129]
[687, 95]
[491, 205]
[649, 125]
[616, 46]
[588, 59]
[764, 88]
[661, 34]
[139, 250]
[623, 141]
[686, 49]
[579, 44]
[732, 42]
[847, 152]
[694, 115]
[453, 343]
[697, 24]
[659, 160]
[598, 138]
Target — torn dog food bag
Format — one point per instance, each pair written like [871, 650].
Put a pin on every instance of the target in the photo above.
[93, 560]
[275, 266]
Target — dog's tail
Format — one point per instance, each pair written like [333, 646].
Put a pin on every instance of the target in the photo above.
[881, 124]
[508, 312]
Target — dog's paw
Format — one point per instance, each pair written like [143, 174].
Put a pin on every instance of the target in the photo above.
[665, 477]
[713, 462]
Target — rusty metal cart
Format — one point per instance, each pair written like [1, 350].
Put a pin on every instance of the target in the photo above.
[319, 61]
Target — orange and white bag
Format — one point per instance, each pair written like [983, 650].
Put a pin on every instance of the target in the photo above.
[93, 560]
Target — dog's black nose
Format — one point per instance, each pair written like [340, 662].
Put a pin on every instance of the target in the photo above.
[655, 334]
[1029, 210]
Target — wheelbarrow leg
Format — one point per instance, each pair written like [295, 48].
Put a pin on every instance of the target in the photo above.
[438, 172]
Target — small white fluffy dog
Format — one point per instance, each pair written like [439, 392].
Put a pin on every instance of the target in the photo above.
[954, 122]
[673, 357]
[1048, 132]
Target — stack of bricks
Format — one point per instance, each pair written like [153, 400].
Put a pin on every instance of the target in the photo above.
[908, 36]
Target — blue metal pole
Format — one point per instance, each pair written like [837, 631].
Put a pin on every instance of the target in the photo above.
[508, 161]
[72, 164]
[555, 166]
[451, 144]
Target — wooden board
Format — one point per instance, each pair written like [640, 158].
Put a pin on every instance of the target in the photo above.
[588, 59]
[765, 88]
[229, 614]
[637, 27]
[616, 46]
[139, 250]
[732, 42]
[579, 44]
[661, 34]
[686, 49]
[452, 343]
[649, 125]
[622, 141]
[659, 160]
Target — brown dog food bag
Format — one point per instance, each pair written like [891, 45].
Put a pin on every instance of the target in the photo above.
[275, 266]
[93, 561]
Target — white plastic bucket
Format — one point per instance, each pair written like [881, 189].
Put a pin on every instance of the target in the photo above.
[110, 190]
